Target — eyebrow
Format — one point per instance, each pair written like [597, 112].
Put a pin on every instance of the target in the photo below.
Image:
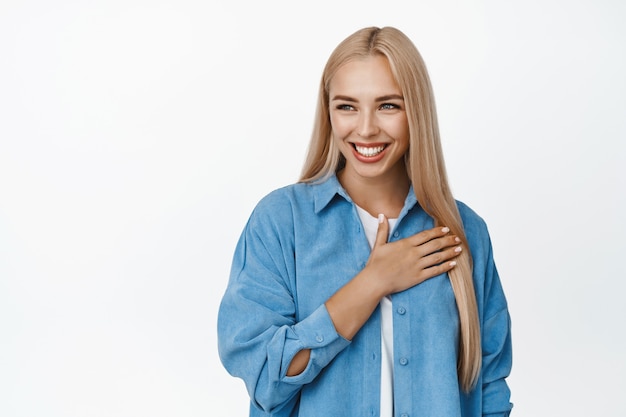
[378, 99]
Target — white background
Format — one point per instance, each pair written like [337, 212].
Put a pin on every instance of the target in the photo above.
[136, 137]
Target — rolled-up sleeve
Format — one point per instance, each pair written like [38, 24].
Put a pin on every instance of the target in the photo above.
[258, 333]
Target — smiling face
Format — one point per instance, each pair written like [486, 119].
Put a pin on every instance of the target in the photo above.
[368, 119]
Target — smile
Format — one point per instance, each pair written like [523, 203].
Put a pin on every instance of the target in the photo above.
[369, 151]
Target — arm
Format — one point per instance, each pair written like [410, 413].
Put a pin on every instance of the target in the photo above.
[497, 347]
[495, 323]
[257, 331]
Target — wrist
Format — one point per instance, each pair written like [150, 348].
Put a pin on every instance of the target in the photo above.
[374, 288]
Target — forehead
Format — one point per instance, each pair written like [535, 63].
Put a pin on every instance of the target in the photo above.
[370, 75]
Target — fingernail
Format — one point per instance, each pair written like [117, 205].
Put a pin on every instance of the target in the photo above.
[458, 249]
[445, 230]
[457, 239]
[453, 263]
[381, 218]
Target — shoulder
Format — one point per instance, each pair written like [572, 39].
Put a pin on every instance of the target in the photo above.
[277, 208]
[283, 199]
[471, 219]
[475, 226]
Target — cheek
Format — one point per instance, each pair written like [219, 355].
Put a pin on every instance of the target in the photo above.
[404, 133]
[340, 126]
[398, 129]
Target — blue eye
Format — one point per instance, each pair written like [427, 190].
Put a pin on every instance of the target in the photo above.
[389, 106]
[345, 107]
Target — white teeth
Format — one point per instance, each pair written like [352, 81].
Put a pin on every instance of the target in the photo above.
[369, 151]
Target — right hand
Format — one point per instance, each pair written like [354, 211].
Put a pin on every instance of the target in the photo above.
[392, 267]
[402, 264]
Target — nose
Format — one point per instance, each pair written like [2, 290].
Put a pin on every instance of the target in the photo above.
[368, 125]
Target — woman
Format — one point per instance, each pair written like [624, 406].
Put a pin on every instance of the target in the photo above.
[365, 289]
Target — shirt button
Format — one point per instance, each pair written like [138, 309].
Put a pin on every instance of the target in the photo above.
[396, 234]
[403, 361]
[401, 310]
[404, 415]
[319, 339]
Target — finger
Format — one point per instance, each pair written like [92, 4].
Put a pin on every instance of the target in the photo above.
[383, 231]
[428, 235]
[433, 271]
[440, 257]
[437, 245]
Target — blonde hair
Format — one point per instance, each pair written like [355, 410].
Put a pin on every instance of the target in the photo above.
[424, 162]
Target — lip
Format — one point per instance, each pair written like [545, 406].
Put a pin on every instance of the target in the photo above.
[369, 159]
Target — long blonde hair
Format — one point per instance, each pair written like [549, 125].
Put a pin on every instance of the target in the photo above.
[424, 162]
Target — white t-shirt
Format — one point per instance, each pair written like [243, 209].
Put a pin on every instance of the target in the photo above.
[370, 225]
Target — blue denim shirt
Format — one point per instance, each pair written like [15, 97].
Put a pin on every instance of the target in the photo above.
[301, 244]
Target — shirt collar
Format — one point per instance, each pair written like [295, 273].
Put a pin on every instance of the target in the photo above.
[327, 189]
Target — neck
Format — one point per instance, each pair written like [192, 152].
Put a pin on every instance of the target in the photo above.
[384, 195]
